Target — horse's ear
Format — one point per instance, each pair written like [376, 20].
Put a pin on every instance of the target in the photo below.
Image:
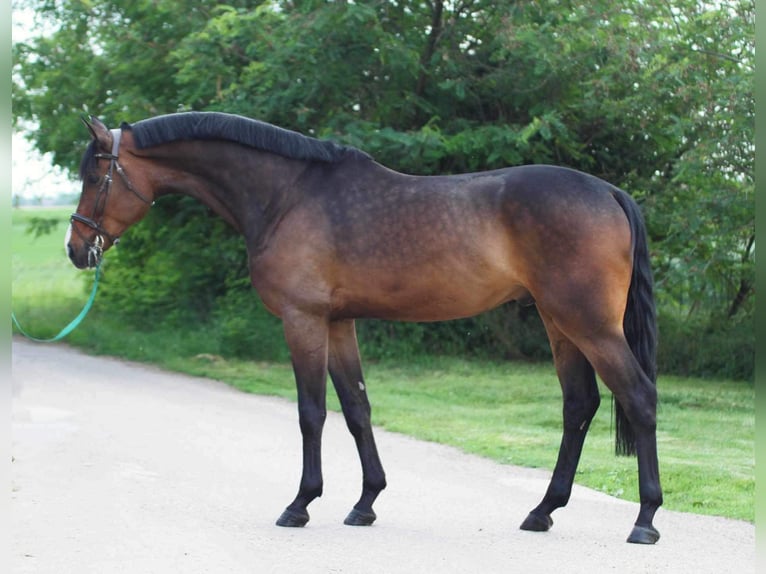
[99, 132]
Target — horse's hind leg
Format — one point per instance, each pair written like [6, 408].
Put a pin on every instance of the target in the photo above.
[618, 368]
[346, 372]
[581, 400]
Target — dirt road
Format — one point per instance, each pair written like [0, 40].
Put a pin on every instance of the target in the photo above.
[121, 468]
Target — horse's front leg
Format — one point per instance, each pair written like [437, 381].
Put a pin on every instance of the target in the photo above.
[306, 338]
[346, 372]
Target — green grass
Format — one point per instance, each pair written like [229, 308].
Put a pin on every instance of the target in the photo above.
[47, 290]
[41, 258]
[509, 412]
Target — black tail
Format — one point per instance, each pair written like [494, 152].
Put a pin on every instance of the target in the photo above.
[640, 321]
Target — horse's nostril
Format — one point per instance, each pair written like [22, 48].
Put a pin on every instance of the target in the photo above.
[69, 251]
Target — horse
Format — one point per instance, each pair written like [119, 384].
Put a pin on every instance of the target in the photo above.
[333, 236]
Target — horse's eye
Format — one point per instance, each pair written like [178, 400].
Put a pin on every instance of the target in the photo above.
[93, 178]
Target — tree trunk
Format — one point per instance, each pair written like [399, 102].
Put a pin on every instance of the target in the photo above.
[745, 285]
[437, 11]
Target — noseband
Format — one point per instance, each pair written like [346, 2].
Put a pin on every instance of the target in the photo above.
[95, 247]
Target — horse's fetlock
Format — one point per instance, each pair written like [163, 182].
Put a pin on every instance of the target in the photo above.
[374, 484]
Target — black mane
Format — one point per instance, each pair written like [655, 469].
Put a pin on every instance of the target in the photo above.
[221, 126]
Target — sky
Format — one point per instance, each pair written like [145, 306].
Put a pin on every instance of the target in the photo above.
[33, 175]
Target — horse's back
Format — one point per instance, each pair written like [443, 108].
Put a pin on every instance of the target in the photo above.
[452, 246]
[381, 244]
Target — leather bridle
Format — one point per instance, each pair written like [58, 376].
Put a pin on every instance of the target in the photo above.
[95, 222]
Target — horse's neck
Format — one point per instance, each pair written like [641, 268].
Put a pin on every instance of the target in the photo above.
[245, 187]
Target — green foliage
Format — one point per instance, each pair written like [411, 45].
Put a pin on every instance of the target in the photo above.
[39, 226]
[723, 348]
[161, 268]
[511, 332]
[654, 96]
[245, 329]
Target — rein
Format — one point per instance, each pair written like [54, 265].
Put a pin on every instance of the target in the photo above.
[74, 323]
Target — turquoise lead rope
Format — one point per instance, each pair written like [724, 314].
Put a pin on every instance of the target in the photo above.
[74, 323]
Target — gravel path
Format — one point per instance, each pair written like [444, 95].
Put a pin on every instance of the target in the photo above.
[119, 467]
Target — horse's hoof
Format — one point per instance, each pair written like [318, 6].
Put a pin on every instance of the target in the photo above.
[644, 535]
[359, 518]
[537, 523]
[293, 519]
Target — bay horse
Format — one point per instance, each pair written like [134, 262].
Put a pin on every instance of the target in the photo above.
[333, 236]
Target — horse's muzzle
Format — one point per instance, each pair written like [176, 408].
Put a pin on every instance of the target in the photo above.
[84, 258]
[87, 254]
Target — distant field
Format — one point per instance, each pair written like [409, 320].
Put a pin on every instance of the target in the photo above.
[40, 263]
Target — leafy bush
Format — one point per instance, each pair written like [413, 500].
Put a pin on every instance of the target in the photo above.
[706, 347]
[242, 327]
[390, 340]
[174, 265]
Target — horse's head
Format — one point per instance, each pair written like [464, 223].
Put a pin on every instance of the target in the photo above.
[111, 200]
